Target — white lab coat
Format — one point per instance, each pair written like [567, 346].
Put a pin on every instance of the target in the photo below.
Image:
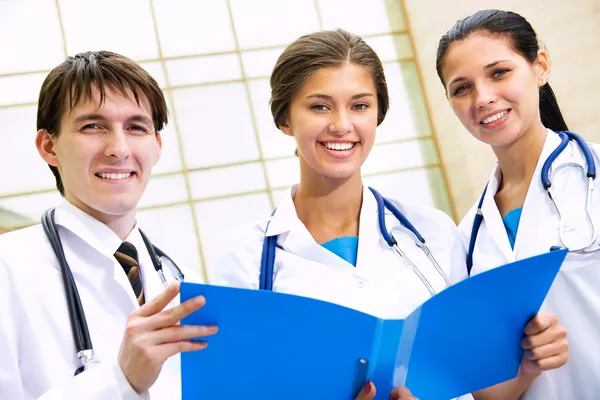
[379, 285]
[37, 351]
[575, 294]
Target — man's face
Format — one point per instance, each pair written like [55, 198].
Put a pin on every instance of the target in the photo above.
[104, 153]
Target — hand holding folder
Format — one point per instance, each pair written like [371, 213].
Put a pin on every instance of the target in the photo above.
[275, 346]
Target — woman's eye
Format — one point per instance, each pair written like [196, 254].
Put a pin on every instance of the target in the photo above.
[319, 107]
[500, 72]
[361, 106]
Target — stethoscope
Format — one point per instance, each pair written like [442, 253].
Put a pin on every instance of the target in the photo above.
[547, 184]
[79, 327]
[267, 262]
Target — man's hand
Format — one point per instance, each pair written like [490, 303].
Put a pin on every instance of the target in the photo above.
[153, 335]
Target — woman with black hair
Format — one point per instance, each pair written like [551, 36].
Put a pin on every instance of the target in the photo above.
[496, 79]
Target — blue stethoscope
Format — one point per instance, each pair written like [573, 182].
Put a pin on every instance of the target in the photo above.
[590, 174]
[267, 262]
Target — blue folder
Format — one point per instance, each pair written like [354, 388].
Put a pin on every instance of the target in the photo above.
[274, 346]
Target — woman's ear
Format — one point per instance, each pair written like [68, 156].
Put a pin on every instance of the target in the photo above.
[285, 128]
[542, 64]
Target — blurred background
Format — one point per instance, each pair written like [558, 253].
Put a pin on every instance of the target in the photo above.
[224, 162]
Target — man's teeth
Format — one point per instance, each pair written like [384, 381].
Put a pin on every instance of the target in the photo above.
[494, 117]
[339, 146]
[114, 176]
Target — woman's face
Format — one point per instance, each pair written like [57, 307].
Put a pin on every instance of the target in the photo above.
[333, 118]
[493, 90]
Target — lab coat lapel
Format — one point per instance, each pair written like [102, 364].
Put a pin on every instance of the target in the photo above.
[151, 281]
[101, 263]
[69, 221]
[492, 218]
[537, 218]
[295, 238]
[370, 239]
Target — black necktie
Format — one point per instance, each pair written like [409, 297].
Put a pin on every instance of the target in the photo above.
[128, 258]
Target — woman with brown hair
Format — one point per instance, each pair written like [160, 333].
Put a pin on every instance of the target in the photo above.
[324, 240]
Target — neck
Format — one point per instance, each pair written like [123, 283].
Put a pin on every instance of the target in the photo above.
[329, 207]
[122, 225]
[519, 159]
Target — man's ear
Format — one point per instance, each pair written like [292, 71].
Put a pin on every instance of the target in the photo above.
[45, 142]
[158, 148]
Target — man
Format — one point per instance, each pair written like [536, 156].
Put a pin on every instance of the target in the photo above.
[99, 121]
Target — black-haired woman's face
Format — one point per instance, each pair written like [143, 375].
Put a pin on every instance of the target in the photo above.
[493, 90]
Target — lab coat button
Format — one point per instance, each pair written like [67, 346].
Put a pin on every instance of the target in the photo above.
[360, 285]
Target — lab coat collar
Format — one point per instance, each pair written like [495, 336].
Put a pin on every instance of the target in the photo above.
[492, 217]
[90, 230]
[535, 216]
[533, 200]
[285, 217]
[295, 238]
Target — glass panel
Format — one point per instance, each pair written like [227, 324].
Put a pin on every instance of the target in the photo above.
[21, 49]
[19, 211]
[172, 230]
[283, 173]
[407, 116]
[351, 16]
[391, 47]
[18, 154]
[260, 63]
[216, 125]
[164, 190]
[421, 186]
[193, 27]
[203, 69]
[97, 25]
[21, 88]
[217, 219]
[274, 143]
[394, 156]
[269, 26]
[279, 193]
[155, 69]
[170, 158]
[227, 181]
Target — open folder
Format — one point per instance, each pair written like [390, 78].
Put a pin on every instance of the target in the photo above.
[274, 346]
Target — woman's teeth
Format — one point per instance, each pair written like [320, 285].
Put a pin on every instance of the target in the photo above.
[339, 146]
[494, 117]
[104, 175]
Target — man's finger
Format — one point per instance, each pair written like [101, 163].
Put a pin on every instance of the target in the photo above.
[173, 315]
[178, 333]
[170, 349]
[159, 302]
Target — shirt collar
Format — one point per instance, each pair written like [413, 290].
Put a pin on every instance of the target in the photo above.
[92, 231]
